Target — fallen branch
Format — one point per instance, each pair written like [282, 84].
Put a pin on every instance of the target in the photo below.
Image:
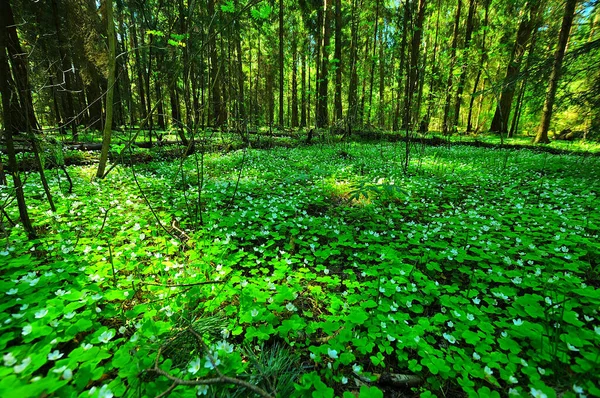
[396, 379]
[221, 379]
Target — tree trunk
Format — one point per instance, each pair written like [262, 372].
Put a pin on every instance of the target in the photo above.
[110, 90]
[303, 79]
[373, 61]
[414, 61]
[9, 111]
[351, 114]
[400, 77]
[322, 118]
[338, 63]
[138, 69]
[294, 82]
[445, 127]
[215, 85]
[463, 74]
[563, 39]
[427, 119]
[518, 106]
[281, 64]
[526, 26]
[241, 108]
[480, 67]
[381, 102]
[64, 74]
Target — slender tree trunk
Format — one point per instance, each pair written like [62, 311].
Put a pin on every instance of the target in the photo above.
[373, 61]
[294, 82]
[281, 64]
[110, 90]
[241, 106]
[322, 118]
[414, 58]
[338, 64]
[401, 71]
[351, 114]
[303, 79]
[480, 67]
[445, 127]
[215, 85]
[464, 63]
[9, 110]
[138, 69]
[518, 106]
[381, 102]
[563, 39]
[425, 124]
[66, 71]
[526, 26]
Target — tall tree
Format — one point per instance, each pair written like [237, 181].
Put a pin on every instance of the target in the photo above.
[11, 109]
[414, 57]
[563, 38]
[463, 73]
[281, 64]
[351, 113]
[215, 80]
[445, 126]
[338, 63]
[401, 70]
[526, 26]
[295, 122]
[321, 114]
[482, 58]
[112, 56]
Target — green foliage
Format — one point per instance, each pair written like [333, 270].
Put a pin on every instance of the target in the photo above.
[263, 12]
[477, 272]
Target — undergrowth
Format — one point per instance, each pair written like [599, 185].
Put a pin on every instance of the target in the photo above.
[315, 271]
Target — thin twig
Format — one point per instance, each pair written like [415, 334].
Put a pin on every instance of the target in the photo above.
[183, 284]
[213, 380]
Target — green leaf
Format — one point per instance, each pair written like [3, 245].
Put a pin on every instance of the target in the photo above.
[370, 392]
[228, 7]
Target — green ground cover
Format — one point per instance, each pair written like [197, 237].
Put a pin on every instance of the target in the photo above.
[309, 272]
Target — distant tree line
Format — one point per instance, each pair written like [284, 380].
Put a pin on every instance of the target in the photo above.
[448, 66]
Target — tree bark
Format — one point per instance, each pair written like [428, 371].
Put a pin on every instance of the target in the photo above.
[303, 93]
[432, 82]
[351, 114]
[449, 86]
[215, 85]
[322, 118]
[338, 56]
[138, 69]
[401, 71]
[110, 33]
[10, 109]
[414, 60]
[281, 64]
[563, 39]
[295, 82]
[526, 26]
[463, 74]
[64, 75]
[373, 60]
[480, 67]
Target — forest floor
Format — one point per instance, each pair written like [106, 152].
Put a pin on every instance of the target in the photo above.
[322, 270]
[134, 145]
